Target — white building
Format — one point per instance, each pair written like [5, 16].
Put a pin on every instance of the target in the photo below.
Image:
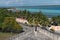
[21, 20]
[10, 9]
[56, 28]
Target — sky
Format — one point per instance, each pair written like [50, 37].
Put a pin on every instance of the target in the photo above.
[28, 2]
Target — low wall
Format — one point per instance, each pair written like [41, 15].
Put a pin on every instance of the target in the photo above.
[49, 34]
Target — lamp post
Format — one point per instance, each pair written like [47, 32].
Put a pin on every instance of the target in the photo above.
[35, 28]
[35, 23]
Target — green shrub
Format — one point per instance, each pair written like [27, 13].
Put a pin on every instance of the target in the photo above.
[52, 30]
[10, 24]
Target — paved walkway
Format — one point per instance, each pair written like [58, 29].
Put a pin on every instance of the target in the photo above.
[30, 34]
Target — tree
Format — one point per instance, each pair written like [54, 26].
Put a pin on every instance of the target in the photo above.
[11, 25]
[39, 17]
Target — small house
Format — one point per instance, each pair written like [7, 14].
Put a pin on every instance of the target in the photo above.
[21, 20]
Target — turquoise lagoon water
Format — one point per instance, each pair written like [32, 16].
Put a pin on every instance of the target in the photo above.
[49, 11]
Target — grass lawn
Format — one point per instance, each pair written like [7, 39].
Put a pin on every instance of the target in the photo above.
[5, 36]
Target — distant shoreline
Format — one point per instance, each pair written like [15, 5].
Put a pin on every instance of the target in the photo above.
[45, 12]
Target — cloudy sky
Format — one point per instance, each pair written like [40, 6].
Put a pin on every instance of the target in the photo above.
[28, 2]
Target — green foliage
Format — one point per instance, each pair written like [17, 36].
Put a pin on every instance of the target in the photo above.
[38, 18]
[10, 24]
[52, 30]
[56, 19]
[7, 18]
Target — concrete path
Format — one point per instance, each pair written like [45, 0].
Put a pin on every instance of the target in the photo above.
[30, 34]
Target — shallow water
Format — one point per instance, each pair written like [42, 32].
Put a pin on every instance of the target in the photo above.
[49, 11]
